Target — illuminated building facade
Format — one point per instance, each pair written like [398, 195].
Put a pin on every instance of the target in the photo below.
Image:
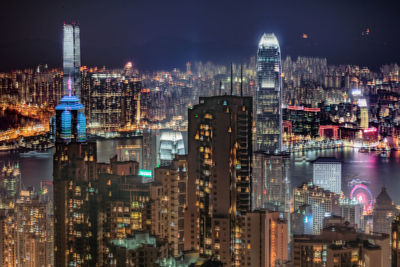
[364, 120]
[111, 100]
[171, 143]
[383, 213]
[269, 95]
[34, 231]
[322, 203]
[26, 232]
[71, 59]
[75, 204]
[219, 175]
[10, 183]
[304, 121]
[8, 233]
[70, 121]
[270, 182]
[43, 86]
[124, 209]
[327, 173]
[341, 245]
[264, 237]
[169, 203]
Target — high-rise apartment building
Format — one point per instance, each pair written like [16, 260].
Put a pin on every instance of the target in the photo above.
[8, 233]
[34, 234]
[71, 60]
[323, 203]
[111, 99]
[219, 175]
[75, 207]
[264, 236]
[169, 202]
[327, 173]
[269, 95]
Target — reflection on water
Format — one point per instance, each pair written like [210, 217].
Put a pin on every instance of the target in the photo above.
[368, 167]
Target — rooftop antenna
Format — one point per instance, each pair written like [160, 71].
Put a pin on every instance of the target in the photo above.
[241, 80]
[69, 86]
[231, 78]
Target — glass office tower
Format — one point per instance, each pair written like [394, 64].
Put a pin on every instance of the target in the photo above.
[71, 60]
[269, 95]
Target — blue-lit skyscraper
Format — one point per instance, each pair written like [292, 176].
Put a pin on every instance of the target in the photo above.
[269, 95]
[71, 59]
[70, 121]
[69, 124]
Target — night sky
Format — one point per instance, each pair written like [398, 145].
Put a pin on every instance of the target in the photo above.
[165, 34]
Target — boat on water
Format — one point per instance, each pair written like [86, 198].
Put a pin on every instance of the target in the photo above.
[35, 154]
[364, 150]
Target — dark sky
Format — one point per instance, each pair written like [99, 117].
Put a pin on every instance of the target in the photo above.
[165, 34]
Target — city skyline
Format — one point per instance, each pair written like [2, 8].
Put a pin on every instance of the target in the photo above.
[267, 160]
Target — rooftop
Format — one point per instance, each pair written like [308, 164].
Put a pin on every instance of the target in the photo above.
[268, 40]
[69, 103]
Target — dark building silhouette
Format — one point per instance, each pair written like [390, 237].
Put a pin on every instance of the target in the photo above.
[219, 175]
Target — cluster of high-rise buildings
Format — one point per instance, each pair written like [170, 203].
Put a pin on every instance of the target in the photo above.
[226, 199]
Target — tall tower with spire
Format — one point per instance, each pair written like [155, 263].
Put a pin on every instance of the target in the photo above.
[74, 170]
[70, 122]
[269, 95]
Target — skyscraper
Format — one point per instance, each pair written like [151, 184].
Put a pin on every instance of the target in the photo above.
[269, 95]
[169, 203]
[70, 121]
[327, 173]
[71, 60]
[74, 169]
[264, 236]
[219, 176]
[270, 182]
